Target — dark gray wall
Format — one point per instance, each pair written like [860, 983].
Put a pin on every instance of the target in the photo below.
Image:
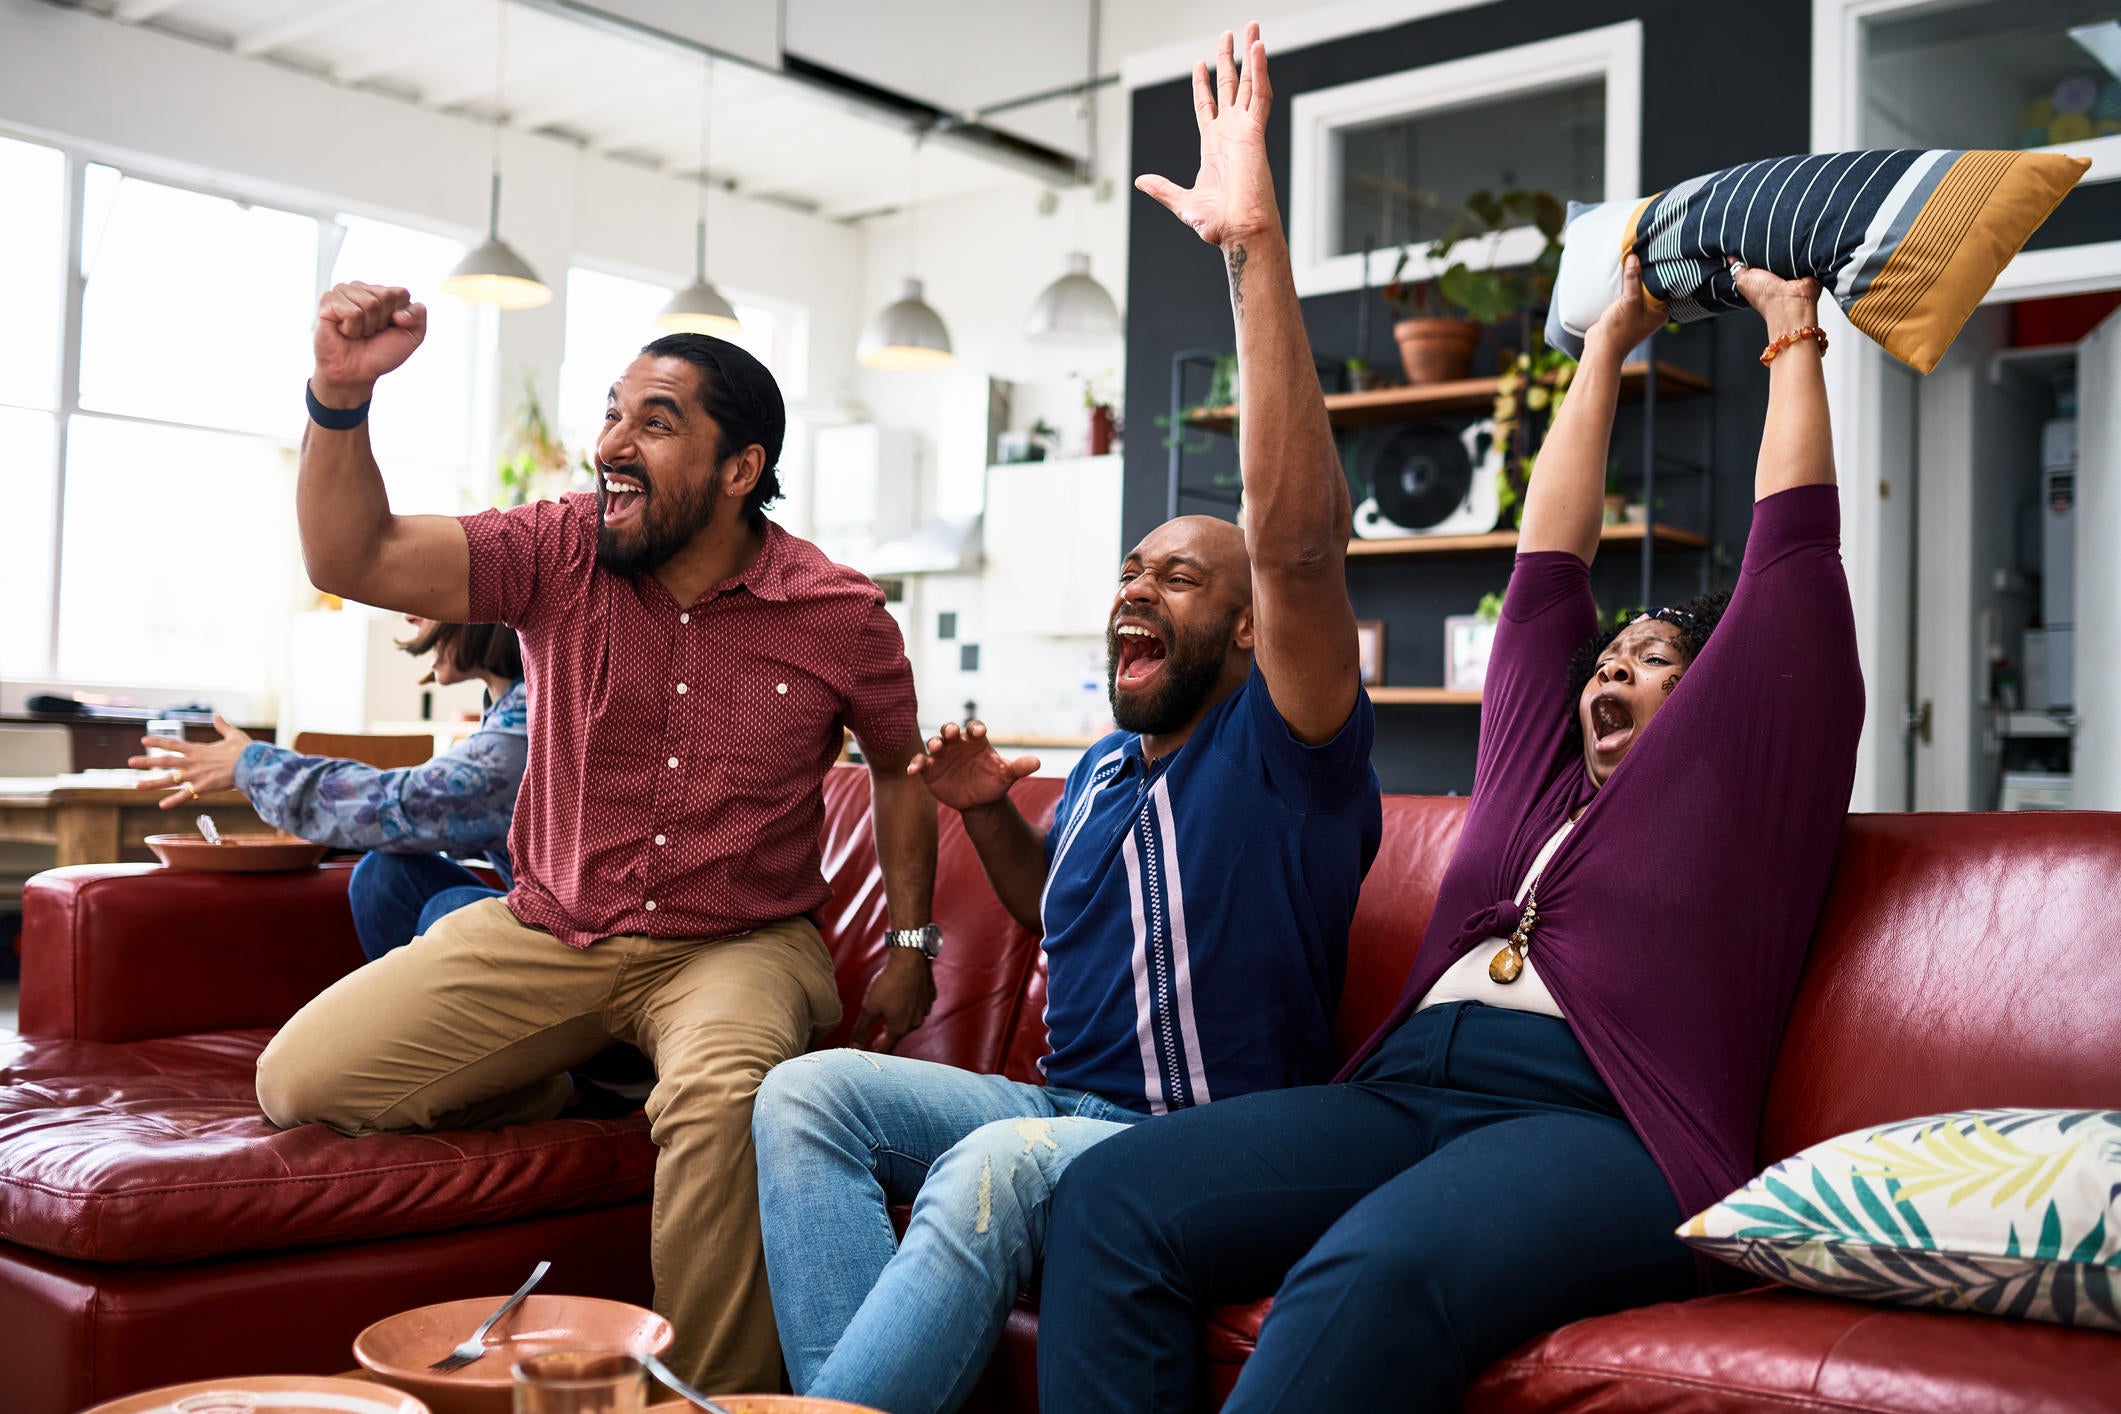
[1711, 98]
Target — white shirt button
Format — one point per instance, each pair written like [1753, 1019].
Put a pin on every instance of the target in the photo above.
[683, 688]
[659, 839]
[650, 905]
[684, 618]
[781, 688]
[673, 763]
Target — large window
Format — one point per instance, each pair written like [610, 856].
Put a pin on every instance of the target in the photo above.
[151, 482]
[1389, 162]
[32, 255]
[1997, 73]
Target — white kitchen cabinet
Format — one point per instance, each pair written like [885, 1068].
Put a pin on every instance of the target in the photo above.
[1052, 541]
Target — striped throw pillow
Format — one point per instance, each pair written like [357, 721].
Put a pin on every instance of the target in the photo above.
[1907, 242]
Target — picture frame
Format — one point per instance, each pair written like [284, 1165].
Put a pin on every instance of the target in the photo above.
[1370, 651]
[1467, 641]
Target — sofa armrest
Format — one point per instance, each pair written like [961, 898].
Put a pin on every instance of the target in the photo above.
[128, 952]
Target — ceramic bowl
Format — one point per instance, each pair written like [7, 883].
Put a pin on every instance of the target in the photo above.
[238, 854]
[274, 1394]
[398, 1349]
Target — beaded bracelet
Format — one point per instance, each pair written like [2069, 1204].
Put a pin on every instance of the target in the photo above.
[1809, 331]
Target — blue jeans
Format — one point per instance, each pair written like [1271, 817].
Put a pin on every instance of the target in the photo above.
[397, 897]
[841, 1135]
[1474, 1184]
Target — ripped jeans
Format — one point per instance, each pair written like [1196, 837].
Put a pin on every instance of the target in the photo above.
[841, 1135]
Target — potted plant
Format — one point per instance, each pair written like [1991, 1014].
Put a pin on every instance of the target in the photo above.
[1104, 422]
[1437, 345]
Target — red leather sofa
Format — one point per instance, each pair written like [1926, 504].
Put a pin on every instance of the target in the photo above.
[154, 1228]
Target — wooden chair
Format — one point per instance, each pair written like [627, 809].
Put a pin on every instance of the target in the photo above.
[388, 753]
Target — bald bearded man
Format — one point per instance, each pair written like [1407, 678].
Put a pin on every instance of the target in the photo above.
[1194, 892]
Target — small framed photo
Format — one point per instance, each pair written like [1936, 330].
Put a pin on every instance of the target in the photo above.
[1370, 650]
[1467, 640]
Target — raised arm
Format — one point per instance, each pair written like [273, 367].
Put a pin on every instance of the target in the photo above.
[351, 543]
[1564, 503]
[964, 771]
[1297, 513]
[1797, 442]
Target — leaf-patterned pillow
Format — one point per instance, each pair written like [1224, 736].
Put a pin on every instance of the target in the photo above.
[2008, 1212]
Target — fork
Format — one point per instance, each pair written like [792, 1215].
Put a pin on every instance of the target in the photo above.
[667, 1376]
[474, 1347]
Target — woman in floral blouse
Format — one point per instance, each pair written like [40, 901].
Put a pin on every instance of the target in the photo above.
[460, 803]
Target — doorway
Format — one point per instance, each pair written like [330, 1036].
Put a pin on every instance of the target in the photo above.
[2009, 653]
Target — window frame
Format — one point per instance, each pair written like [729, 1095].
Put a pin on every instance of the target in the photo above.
[1611, 52]
[78, 156]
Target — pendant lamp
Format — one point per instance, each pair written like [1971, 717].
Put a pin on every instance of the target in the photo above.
[1075, 309]
[906, 334]
[699, 308]
[493, 273]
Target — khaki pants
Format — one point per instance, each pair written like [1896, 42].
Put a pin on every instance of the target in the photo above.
[474, 1023]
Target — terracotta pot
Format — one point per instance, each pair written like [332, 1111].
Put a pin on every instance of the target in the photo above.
[1436, 350]
[1100, 429]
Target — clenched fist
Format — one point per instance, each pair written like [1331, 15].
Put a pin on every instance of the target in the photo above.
[363, 332]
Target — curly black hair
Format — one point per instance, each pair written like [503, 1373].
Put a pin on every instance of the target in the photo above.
[1695, 618]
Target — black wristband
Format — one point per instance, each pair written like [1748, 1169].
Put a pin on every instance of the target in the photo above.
[334, 419]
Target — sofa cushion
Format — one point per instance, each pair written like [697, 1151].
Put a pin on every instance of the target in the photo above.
[987, 958]
[156, 1152]
[1777, 1351]
[1958, 964]
[2007, 1212]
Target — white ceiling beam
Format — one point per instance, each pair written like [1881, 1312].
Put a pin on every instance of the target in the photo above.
[579, 99]
[414, 42]
[297, 24]
[134, 12]
[476, 80]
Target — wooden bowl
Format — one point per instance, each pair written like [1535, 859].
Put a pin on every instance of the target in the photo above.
[398, 1349]
[239, 854]
[276, 1394]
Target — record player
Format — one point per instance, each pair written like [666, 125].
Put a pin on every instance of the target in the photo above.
[1430, 478]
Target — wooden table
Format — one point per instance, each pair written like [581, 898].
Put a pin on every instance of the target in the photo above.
[100, 824]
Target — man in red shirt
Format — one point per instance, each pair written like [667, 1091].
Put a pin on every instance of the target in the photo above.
[691, 665]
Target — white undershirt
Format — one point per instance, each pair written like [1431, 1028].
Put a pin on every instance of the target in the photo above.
[1468, 979]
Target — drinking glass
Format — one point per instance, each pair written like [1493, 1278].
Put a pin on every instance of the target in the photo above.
[581, 1382]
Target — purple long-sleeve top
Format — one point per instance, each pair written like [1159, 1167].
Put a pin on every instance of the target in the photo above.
[1674, 919]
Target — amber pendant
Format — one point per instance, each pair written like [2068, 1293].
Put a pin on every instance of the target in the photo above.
[1507, 965]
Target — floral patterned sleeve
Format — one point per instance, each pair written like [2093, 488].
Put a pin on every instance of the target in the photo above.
[461, 802]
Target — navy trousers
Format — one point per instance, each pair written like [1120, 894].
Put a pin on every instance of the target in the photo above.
[397, 897]
[1473, 1185]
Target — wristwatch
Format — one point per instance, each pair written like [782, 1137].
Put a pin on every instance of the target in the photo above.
[928, 938]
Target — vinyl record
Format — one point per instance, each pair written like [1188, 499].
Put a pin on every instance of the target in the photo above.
[1420, 474]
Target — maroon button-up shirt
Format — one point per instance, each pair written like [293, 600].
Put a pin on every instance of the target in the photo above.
[677, 751]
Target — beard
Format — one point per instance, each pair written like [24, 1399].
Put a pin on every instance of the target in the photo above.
[1193, 664]
[666, 525]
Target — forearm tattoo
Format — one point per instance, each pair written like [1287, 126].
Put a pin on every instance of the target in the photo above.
[1237, 279]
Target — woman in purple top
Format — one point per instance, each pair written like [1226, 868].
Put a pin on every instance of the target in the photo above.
[1580, 1054]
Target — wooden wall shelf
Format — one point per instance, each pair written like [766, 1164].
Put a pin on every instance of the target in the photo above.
[1465, 395]
[1506, 540]
[1423, 697]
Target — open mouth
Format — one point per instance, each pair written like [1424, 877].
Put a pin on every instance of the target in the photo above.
[623, 496]
[1141, 654]
[1611, 723]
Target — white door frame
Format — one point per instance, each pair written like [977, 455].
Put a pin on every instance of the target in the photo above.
[1855, 389]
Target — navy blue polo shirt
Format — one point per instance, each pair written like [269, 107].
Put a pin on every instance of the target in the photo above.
[1197, 909]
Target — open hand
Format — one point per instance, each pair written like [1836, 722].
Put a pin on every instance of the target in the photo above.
[1232, 199]
[963, 771]
[1630, 319]
[898, 997]
[363, 332]
[197, 768]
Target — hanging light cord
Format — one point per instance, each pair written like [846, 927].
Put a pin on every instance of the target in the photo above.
[500, 110]
[706, 118]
